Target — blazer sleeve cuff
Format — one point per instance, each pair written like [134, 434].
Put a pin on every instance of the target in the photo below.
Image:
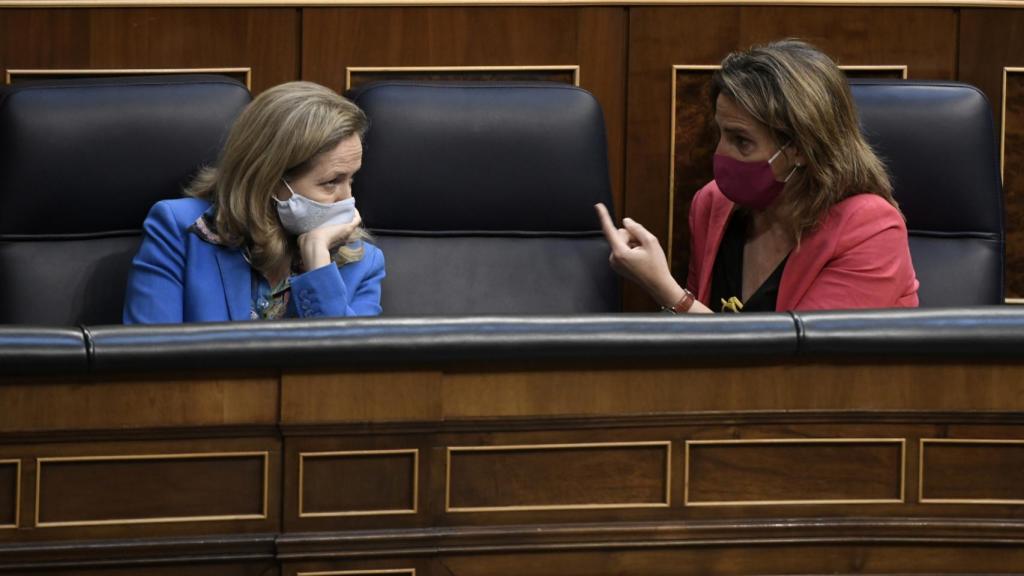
[320, 292]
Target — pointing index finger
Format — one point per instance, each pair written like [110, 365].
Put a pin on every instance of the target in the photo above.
[610, 232]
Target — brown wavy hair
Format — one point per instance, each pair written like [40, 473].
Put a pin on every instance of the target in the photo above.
[281, 134]
[804, 99]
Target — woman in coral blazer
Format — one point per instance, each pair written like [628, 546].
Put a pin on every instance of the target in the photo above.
[271, 231]
[800, 215]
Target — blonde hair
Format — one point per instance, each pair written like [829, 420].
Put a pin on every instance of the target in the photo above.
[804, 99]
[279, 135]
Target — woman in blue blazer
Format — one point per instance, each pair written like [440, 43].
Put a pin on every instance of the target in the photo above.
[272, 230]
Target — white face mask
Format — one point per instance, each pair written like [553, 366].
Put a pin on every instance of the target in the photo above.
[299, 214]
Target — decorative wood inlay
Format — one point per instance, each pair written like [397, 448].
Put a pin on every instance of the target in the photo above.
[408, 572]
[794, 471]
[1012, 162]
[693, 141]
[358, 75]
[358, 483]
[243, 75]
[10, 493]
[153, 488]
[971, 471]
[558, 476]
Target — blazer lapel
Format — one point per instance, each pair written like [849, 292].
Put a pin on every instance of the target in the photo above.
[720, 212]
[236, 276]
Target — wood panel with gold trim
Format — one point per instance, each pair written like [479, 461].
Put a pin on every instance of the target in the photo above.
[397, 572]
[923, 40]
[193, 568]
[264, 40]
[242, 74]
[558, 477]
[112, 487]
[790, 471]
[151, 488]
[358, 483]
[10, 493]
[991, 43]
[1011, 142]
[590, 38]
[971, 471]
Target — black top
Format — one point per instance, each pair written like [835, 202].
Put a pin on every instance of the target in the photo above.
[727, 274]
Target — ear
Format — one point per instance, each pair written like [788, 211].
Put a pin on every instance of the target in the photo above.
[796, 156]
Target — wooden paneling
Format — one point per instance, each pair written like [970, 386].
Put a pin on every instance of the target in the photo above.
[357, 572]
[10, 492]
[1012, 157]
[762, 558]
[592, 38]
[132, 489]
[810, 471]
[18, 76]
[972, 471]
[128, 402]
[558, 477]
[563, 74]
[383, 396]
[839, 386]
[358, 483]
[990, 41]
[265, 40]
[265, 568]
[433, 397]
[660, 37]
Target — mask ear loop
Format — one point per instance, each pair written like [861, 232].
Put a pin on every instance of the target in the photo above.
[288, 186]
[776, 155]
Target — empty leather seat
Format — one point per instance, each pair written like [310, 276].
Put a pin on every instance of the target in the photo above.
[938, 141]
[481, 197]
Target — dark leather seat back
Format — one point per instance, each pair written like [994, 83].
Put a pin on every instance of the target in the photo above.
[81, 163]
[938, 140]
[481, 197]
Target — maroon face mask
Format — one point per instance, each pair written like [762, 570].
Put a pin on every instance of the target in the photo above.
[749, 184]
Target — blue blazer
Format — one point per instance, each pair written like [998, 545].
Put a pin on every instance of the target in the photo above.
[179, 277]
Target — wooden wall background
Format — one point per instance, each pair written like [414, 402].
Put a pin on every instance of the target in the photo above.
[629, 56]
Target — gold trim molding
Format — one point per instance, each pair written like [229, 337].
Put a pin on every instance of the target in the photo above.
[1002, 121]
[72, 72]
[666, 444]
[676, 68]
[319, 3]
[17, 493]
[383, 512]
[573, 68]
[407, 571]
[920, 466]
[155, 520]
[708, 503]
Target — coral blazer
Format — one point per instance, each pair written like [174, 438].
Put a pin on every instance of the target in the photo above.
[858, 257]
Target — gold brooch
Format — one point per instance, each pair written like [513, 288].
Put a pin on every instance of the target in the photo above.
[733, 304]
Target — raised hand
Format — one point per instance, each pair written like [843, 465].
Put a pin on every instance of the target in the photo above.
[315, 245]
[637, 255]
